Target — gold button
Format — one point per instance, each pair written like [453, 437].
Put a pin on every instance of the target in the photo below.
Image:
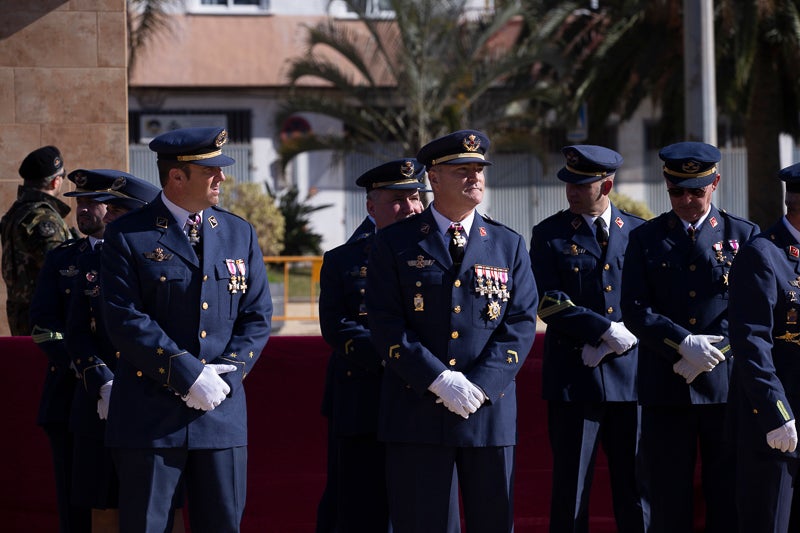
[606, 267]
[117, 354]
[457, 309]
[361, 292]
[205, 305]
[452, 362]
[77, 361]
[52, 369]
[454, 335]
[138, 373]
[203, 361]
[693, 321]
[418, 284]
[203, 334]
[610, 310]
[608, 288]
[755, 411]
[349, 373]
[205, 278]
[67, 291]
[576, 269]
[91, 359]
[162, 278]
[692, 294]
[692, 267]
[457, 283]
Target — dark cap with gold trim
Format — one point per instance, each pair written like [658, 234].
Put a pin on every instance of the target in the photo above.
[587, 163]
[199, 146]
[405, 173]
[690, 164]
[464, 146]
[112, 186]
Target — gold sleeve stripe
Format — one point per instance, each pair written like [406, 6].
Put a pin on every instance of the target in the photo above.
[782, 409]
[550, 306]
[672, 344]
[516, 356]
[347, 345]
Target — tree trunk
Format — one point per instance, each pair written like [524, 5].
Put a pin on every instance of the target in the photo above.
[762, 130]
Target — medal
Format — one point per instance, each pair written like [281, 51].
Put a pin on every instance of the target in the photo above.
[493, 310]
[233, 284]
[242, 280]
[419, 303]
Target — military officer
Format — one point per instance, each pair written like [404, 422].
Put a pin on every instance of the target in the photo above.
[49, 310]
[89, 346]
[185, 288]
[675, 300]
[765, 385]
[452, 311]
[590, 357]
[32, 226]
[393, 193]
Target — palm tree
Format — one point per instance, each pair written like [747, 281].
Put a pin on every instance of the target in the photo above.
[425, 72]
[145, 19]
[630, 50]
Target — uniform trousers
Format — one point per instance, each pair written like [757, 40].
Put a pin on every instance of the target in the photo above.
[764, 491]
[575, 430]
[71, 518]
[150, 488]
[420, 478]
[670, 438]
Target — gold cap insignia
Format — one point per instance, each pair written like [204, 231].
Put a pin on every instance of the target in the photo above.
[471, 143]
[119, 183]
[221, 139]
[407, 169]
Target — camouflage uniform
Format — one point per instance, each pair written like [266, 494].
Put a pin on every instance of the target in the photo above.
[33, 226]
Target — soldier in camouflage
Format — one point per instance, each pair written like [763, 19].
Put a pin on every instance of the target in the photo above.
[33, 226]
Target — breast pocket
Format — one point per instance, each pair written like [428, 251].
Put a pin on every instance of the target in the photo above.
[423, 294]
[162, 286]
[576, 272]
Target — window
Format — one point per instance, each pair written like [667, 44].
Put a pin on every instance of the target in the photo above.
[230, 6]
[374, 8]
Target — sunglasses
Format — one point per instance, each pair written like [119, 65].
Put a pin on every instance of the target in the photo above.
[677, 192]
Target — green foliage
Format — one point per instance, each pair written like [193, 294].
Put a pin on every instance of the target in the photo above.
[433, 68]
[252, 202]
[299, 239]
[635, 207]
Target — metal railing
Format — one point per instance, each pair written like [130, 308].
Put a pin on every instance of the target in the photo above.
[281, 298]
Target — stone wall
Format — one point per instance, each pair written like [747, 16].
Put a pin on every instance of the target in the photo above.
[63, 81]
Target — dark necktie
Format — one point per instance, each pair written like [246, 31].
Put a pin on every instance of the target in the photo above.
[457, 241]
[692, 232]
[194, 233]
[601, 233]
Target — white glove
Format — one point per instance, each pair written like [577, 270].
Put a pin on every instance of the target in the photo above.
[619, 338]
[457, 393]
[698, 351]
[687, 370]
[105, 398]
[592, 355]
[209, 390]
[783, 438]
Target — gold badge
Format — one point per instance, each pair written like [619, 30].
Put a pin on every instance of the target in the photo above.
[407, 169]
[119, 183]
[221, 139]
[471, 143]
[212, 221]
[157, 255]
[493, 310]
[419, 302]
